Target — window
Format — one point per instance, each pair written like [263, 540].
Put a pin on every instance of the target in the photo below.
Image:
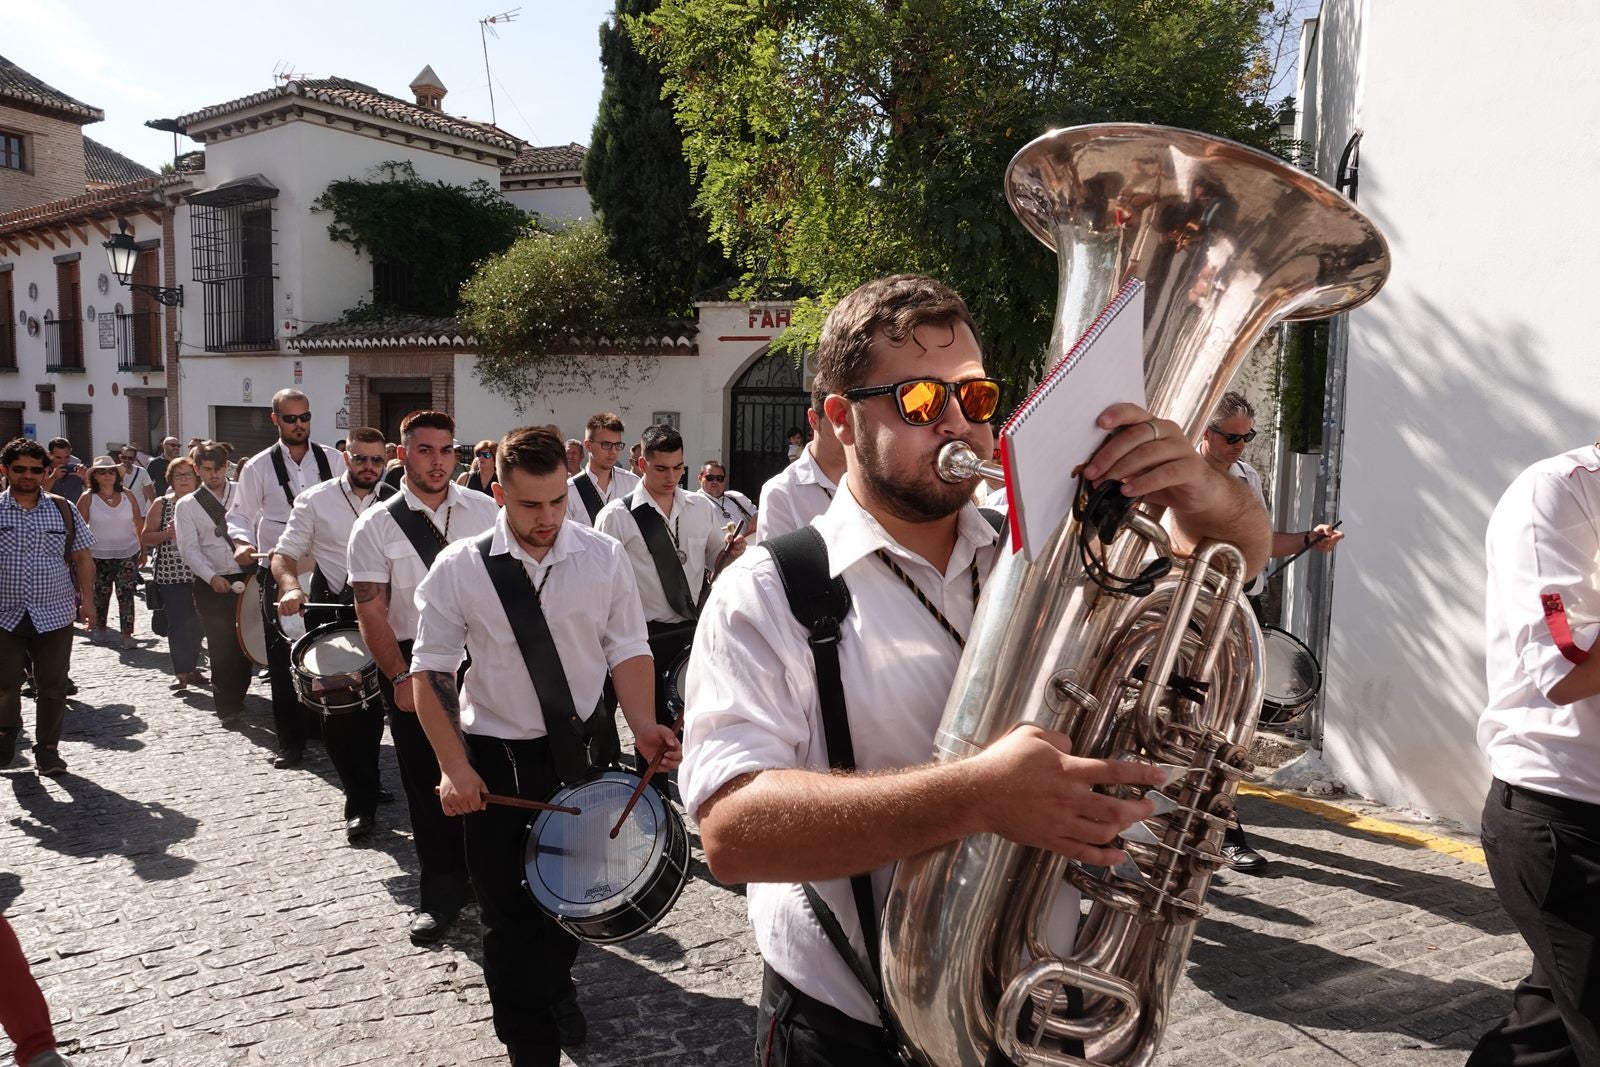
[232, 226]
[64, 336]
[11, 152]
[8, 324]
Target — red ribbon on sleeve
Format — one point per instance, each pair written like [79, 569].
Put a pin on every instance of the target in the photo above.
[1555, 617]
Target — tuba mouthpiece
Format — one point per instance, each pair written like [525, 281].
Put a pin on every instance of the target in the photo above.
[957, 462]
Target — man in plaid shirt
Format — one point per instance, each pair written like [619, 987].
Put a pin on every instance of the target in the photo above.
[46, 581]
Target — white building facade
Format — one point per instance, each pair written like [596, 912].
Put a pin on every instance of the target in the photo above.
[1475, 360]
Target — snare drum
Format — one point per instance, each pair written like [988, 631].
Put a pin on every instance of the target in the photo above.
[333, 671]
[249, 624]
[676, 678]
[1291, 677]
[599, 889]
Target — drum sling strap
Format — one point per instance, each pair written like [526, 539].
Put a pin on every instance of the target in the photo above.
[569, 735]
[321, 592]
[590, 494]
[213, 508]
[665, 556]
[418, 528]
[324, 472]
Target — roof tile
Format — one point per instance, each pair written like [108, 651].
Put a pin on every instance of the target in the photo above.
[107, 166]
[17, 84]
[542, 159]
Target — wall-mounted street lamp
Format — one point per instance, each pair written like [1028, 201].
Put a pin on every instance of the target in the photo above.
[123, 251]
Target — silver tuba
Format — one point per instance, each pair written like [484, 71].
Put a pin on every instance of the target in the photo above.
[1228, 241]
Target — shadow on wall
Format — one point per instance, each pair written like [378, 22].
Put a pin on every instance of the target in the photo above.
[1431, 443]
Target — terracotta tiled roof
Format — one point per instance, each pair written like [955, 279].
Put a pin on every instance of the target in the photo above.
[17, 84]
[128, 196]
[545, 159]
[389, 331]
[342, 92]
[107, 166]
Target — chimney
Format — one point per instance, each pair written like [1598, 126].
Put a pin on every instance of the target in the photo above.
[428, 89]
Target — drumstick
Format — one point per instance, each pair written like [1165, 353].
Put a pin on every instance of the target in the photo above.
[1308, 547]
[649, 772]
[531, 805]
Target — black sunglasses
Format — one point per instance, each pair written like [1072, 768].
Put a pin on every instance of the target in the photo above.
[1234, 438]
[17, 468]
[292, 419]
[715, 477]
[922, 400]
[485, 455]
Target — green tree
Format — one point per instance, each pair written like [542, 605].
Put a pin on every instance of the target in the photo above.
[639, 180]
[425, 236]
[837, 140]
[541, 311]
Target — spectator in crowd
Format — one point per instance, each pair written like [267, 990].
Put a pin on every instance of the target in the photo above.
[173, 576]
[113, 514]
[574, 456]
[797, 441]
[46, 580]
[65, 478]
[636, 459]
[193, 445]
[338, 446]
[158, 466]
[136, 479]
[733, 505]
[482, 474]
[23, 1011]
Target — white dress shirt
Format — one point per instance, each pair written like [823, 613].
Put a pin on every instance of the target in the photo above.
[589, 601]
[795, 495]
[1251, 477]
[752, 704]
[622, 484]
[319, 528]
[263, 509]
[381, 552]
[1544, 537]
[206, 554]
[731, 505]
[694, 526]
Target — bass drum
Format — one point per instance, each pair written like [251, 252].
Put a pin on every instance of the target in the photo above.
[249, 625]
[1291, 678]
[603, 889]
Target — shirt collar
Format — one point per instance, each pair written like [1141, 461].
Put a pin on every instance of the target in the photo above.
[503, 542]
[852, 534]
[452, 496]
[808, 470]
[641, 495]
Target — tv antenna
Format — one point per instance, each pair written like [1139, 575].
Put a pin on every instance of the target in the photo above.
[486, 27]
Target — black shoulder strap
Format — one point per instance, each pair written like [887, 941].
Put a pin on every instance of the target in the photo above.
[820, 603]
[213, 507]
[418, 528]
[590, 494]
[664, 554]
[71, 531]
[324, 472]
[385, 491]
[994, 518]
[569, 735]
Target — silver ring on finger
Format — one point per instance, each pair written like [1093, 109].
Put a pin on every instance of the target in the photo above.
[1155, 428]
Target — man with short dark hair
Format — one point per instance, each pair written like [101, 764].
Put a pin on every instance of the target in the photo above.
[66, 476]
[207, 545]
[319, 531]
[158, 466]
[603, 479]
[392, 547]
[268, 485]
[731, 504]
[508, 730]
[46, 581]
[135, 478]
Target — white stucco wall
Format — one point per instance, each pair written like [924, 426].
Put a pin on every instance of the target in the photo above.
[553, 204]
[1477, 358]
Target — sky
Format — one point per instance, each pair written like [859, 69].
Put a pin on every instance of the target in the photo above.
[138, 63]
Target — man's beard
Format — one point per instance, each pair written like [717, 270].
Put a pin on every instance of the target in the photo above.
[366, 479]
[925, 499]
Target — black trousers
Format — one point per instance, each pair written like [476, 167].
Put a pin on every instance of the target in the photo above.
[230, 670]
[527, 956]
[668, 640]
[289, 716]
[1544, 857]
[352, 739]
[49, 652]
[442, 884]
[795, 1030]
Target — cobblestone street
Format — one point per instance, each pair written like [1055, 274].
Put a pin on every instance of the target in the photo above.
[183, 903]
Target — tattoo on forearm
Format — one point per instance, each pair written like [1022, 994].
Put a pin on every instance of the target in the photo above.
[444, 687]
[369, 591]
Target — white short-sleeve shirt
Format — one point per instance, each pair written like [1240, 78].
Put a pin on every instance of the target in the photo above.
[752, 704]
[319, 527]
[731, 505]
[1543, 539]
[381, 552]
[589, 602]
[696, 529]
[795, 495]
[622, 485]
[263, 509]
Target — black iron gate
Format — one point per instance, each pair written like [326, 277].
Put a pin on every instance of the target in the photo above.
[769, 400]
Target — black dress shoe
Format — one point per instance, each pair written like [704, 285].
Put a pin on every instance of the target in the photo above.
[1240, 856]
[572, 1029]
[8, 746]
[357, 827]
[289, 757]
[428, 928]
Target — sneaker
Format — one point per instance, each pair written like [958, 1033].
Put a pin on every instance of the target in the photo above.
[8, 746]
[47, 761]
[51, 1058]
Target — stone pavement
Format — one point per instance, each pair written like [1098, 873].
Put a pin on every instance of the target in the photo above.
[183, 903]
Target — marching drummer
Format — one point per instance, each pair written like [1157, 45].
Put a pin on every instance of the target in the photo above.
[319, 527]
[519, 725]
[392, 546]
[200, 521]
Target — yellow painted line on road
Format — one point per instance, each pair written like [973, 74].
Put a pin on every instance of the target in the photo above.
[1403, 835]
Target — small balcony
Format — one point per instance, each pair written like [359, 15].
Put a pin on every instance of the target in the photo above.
[63, 346]
[139, 342]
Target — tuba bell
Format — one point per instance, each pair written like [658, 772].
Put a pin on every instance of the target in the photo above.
[1228, 241]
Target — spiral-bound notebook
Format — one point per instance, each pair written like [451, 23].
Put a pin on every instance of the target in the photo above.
[1053, 431]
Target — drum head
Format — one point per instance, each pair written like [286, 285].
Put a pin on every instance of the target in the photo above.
[573, 867]
[676, 678]
[339, 650]
[249, 625]
[1291, 676]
